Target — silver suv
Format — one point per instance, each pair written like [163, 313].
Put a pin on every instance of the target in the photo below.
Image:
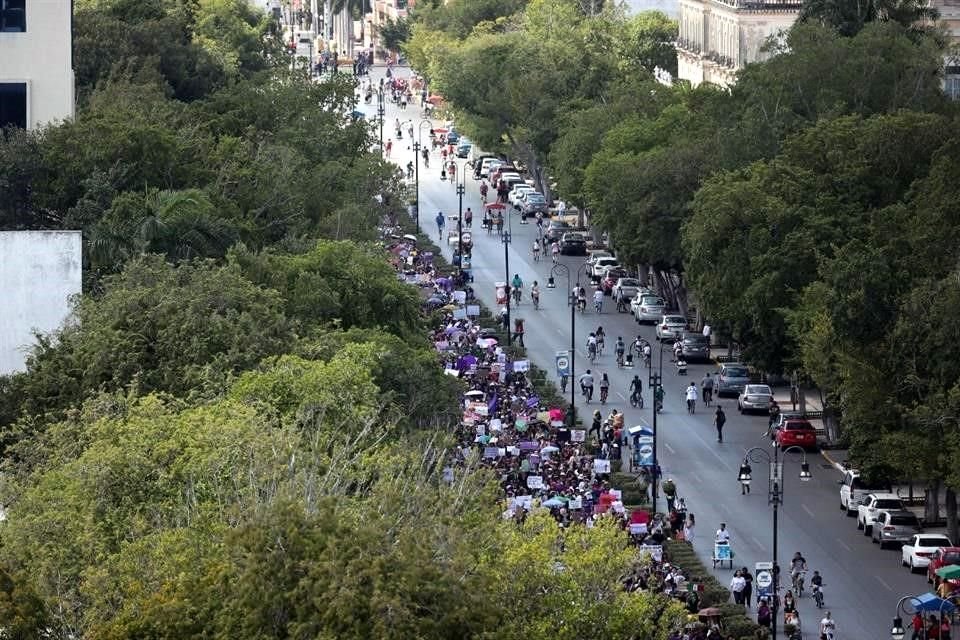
[733, 378]
[894, 527]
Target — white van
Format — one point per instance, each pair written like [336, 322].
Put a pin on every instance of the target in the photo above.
[853, 490]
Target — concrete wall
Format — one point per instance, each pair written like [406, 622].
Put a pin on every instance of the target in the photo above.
[39, 273]
[41, 58]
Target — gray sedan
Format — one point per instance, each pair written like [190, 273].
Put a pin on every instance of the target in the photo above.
[755, 397]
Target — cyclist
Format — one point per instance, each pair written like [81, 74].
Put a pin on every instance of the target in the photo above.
[707, 386]
[555, 251]
[600, 339]
[828, 627]
[592, 347]
[620, 348]
[691, 397]
[516, 286]
[798, 567]
[586, 385]
[637, 346]
[604, 388]
[598, 300]
[658, 398]
[483, 191]
[535, 294]
[581, 299]
[536, 251]
[636, 392]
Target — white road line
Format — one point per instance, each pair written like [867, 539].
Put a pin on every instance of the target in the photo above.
[880, 580]
[809, 513]
[696, 477]
[843, 544]
[669, 448]
[621, 396]
[758, 543]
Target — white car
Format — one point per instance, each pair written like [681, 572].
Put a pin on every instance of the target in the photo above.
[487, 165]
[916, 552]
[755, 397]
[517, 193]
[873, 506]
[628, 288]
[671, 327]
[647, 308]
[600, 266]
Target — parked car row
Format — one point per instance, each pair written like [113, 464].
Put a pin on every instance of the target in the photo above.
[883, 516]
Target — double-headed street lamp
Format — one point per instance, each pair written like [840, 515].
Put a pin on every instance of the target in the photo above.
[416, 160]
[655, 382]
[506, 267]
[461, 188]
[775, 498]
[565, 270]
[381, 111]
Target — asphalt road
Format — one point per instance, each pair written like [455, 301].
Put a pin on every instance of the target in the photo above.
[862, 583]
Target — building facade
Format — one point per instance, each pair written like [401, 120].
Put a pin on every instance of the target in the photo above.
[719, 37]
[36, 62]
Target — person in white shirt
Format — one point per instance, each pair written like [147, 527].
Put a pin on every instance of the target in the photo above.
[691, 397]
[722, 534]
[827, 626]
[737, 585]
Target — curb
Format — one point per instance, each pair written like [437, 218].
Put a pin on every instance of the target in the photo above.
[836, 465]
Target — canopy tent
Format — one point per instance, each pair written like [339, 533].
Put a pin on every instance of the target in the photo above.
[931, 603]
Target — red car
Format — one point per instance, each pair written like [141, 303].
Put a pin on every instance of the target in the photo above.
[610, 280]
[796, 432]
[942, 557]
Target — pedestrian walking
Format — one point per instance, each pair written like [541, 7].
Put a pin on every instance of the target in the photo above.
[719, 419]
[748, 586]
[518, 331]
[468, 217]
[689, 528]
[744, 477]
[670, 493]
[440, 222]
[389, 147]
[737, 585]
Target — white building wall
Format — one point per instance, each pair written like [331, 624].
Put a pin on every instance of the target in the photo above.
[42, 57]
[40, 271]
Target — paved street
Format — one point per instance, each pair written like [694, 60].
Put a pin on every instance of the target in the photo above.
[862, 583]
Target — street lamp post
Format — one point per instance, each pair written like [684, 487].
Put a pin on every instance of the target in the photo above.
[417, 145]
[461, 188]
[506, 268]
[775, 498]
[573, 332]
[655, 381]
[380, 112]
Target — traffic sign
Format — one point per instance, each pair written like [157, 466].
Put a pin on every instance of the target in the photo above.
[764, 579]
[563, 363]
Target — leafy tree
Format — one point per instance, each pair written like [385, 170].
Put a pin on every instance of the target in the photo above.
[336, 282]
[394, 33]
[157, 327]
[650, 41]
[849, 18]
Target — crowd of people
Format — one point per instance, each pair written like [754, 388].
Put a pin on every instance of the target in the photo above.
[542, 463]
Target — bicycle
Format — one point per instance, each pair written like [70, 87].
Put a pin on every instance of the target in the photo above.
[620, 359]
[592, 354]
[587, 393]
[707, 396]
[646, 360]
[598, 305]
[536, 253]
[818, 596]
[516, 293]
[536, 301]
[636, 400]
[582, 305]
[691, 405]
[798, 583]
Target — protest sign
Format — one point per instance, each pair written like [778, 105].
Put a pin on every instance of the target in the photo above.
[535, 482]
[578, 435]
[601, 466]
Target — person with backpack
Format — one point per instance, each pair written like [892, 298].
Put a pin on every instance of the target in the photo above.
[719, 419]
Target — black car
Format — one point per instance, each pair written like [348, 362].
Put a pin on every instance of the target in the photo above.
[555, 230]
[573, 244]
[696, 346]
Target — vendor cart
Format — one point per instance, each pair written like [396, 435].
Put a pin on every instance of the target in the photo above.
[722, 553]
[501, 292]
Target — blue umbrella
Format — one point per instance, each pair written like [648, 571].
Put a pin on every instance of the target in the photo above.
[553, 502]
[929, 602]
